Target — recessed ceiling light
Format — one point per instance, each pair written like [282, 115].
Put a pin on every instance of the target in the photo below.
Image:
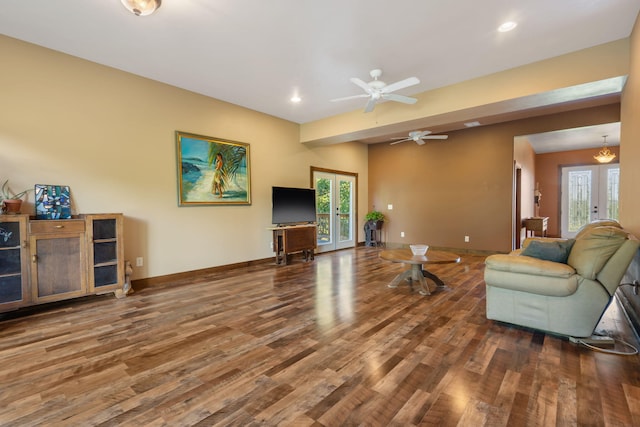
[507, 26]
[295, 99]
[472, 124]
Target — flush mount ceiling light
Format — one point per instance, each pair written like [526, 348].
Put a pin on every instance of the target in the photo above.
[141, 7]
[507, 26]
[604, 156]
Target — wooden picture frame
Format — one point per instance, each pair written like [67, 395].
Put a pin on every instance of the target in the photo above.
[212, 171]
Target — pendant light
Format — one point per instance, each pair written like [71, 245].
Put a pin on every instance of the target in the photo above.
[141, 7]
[605, 155]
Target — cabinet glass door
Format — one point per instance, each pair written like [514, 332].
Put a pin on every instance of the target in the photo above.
[105, 252]
[10, 262]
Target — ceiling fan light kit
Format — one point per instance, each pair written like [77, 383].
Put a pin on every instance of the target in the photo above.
[377, 90]
[141, 7]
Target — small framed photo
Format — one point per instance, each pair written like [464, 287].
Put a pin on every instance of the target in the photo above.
[53, 201]
[212, 171]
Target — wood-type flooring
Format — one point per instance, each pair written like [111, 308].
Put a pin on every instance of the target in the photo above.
[319, 343]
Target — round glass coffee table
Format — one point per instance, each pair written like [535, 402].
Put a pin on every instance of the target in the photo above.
[416, 272]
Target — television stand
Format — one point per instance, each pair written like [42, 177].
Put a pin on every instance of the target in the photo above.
[292, 239]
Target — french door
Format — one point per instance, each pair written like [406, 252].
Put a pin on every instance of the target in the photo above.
[335, 210]
[588, 193]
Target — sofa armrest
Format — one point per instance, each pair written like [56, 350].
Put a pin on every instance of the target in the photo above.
[529, 265]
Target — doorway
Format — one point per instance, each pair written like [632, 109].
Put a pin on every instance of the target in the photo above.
[588, 193]
[336, 196]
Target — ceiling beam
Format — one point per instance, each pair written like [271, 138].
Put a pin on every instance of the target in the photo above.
[590, 77]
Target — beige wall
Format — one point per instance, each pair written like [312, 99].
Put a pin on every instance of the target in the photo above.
[444, 190]
[630, 140]
[110, 136]
[548, 175]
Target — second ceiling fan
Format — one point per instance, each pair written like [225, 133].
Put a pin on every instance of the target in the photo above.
[419, 137]
[377, 90]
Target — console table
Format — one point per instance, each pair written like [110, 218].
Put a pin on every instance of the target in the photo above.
[537, 226]
[295, 238]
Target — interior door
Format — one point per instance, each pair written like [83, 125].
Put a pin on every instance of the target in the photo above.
[588, 193]
[335, 207]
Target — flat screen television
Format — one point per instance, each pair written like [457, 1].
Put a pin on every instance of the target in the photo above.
[293, 205]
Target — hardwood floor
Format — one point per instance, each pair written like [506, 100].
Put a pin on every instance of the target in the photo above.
[321, 343]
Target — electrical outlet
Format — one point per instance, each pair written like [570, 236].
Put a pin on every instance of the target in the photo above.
[390, 207]
[139, 261]
[402, 234]
[466, 239]
[271, 245]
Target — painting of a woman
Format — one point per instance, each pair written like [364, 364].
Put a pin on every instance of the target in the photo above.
[218, 176]
[212, 171]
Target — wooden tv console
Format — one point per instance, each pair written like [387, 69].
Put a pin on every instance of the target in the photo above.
[295, 238]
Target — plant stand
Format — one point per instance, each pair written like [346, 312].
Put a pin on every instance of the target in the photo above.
[371, 233]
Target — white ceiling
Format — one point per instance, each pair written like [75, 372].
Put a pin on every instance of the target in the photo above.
[258, 53]
[575, 139]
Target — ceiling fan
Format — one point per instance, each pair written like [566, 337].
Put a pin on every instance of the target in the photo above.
[377, 90]
[419, 136]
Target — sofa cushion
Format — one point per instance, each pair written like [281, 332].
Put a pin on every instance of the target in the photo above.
[597, 223]
[553, 250]
[530, 275]
[593, 248]
[529, 266]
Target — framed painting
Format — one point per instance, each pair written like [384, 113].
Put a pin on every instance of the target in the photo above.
[53, 202]
[212, 171]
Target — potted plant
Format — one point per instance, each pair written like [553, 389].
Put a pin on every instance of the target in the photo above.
[375, 219]
[11, 202]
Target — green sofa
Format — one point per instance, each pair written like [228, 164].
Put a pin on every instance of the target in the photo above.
[565, 294]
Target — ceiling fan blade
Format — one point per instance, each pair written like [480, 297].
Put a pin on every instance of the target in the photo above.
[399, 98]
[400, 85]
[371, 103]
[435, 137]
[398, 142]
[362, 84]
[364, 95]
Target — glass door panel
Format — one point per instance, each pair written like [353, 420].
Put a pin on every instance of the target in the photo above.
[335, 207]
[588, 193]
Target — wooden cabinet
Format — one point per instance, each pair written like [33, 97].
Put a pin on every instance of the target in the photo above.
[14, 271]
[299, 238]
[59, 259]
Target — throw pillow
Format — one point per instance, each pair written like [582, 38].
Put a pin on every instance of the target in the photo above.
[555, 250]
